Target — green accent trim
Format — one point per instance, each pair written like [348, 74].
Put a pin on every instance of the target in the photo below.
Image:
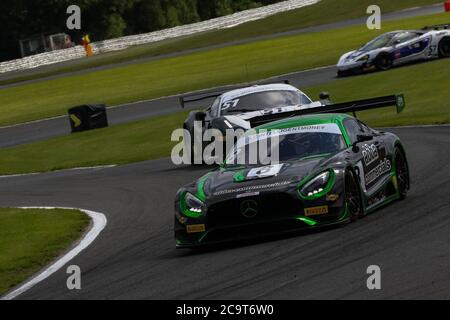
[345, 214]
[306, 120]
[326, 190]
[401, 102]
[239, 176]
[203, 236]
[200, 187]
[381, 204]
[308, 221]
[184, 209]
[344, 133]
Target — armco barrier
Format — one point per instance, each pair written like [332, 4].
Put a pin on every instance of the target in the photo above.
[125, 42]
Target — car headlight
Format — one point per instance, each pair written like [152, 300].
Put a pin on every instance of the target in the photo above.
[364, 58]
[191, 206]
[319, 186]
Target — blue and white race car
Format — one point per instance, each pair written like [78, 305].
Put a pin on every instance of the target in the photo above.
[396, 48]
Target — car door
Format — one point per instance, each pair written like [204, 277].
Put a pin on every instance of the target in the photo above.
[369, 156]
[410, 46]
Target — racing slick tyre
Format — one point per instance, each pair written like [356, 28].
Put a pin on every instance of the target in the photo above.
[402, 174]
[353, 199]
[384, 61]
[444, 48]
[342, 74]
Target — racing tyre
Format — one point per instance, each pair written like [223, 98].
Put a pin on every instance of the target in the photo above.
[342, 74]
[444, 48]
[402, 174]
[384, 61]
[353, 196]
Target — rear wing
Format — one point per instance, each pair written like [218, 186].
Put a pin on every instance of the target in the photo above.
[444, 26]
[397, 101]
[184, 100]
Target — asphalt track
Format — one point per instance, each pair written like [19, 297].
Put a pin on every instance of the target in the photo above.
[135, 256]
[50, 128]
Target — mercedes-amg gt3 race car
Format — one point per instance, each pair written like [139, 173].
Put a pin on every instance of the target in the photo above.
[396, 48]
[332, 169]
[246, 108]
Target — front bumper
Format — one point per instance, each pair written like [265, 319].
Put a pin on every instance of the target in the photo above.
[225, 223]
[348, 69]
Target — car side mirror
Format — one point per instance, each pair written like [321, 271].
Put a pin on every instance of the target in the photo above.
[324, 96]
[360, 138]
[364, 138]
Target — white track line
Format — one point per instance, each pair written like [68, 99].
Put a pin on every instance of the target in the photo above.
[99, 222]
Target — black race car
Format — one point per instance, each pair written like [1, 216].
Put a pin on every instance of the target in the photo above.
[331, 169]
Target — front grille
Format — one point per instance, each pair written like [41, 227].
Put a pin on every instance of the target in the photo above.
[269, 207]
[255, 230]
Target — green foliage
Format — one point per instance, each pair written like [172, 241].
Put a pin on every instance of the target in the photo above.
[105, 19]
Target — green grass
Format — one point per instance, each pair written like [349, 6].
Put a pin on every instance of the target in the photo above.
[326, 11]
[31, 239]
[424, 85]
[428, 102]
[185, 73]
[134, 142]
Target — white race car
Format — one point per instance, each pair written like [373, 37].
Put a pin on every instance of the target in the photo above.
[396, 48]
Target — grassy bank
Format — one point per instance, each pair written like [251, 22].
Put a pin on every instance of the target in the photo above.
[31, 239]
[425, 87]
[196, 71]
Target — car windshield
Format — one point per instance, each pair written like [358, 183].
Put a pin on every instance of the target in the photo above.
[286, 145]
[264, 100]
[382, 41]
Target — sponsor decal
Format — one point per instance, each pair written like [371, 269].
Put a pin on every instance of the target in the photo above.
[316, 211]
[383, 168]
[331, 128]
[182, 220]
[275, 185]
[332, 197]
[196, 228]
[370, 154]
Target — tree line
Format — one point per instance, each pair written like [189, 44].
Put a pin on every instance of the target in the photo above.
[106, 19]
